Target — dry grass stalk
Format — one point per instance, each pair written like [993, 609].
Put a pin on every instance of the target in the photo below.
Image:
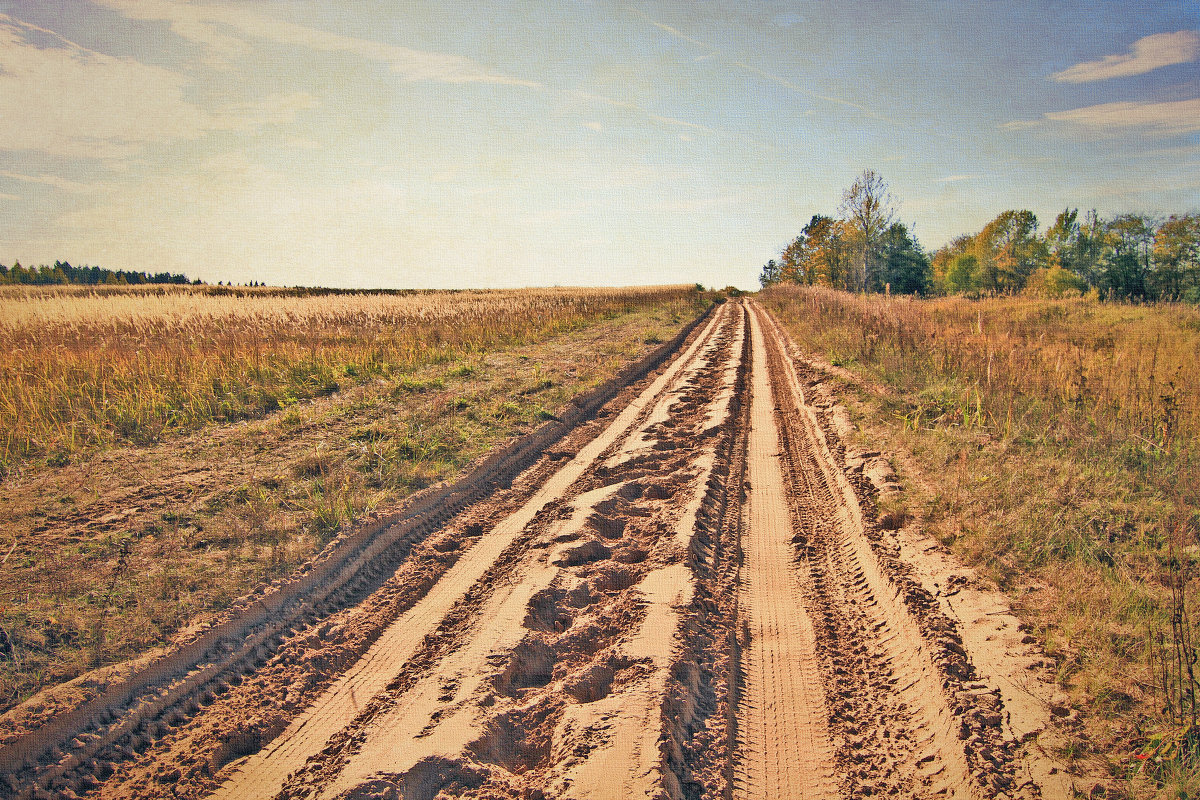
[80, 369]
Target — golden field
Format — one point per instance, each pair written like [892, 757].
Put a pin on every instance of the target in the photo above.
[85, 367]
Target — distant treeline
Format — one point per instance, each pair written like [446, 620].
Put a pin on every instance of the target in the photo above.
[62, 273]
[1128, 257]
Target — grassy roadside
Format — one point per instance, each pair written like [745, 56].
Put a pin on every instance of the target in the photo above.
[1055, 446]
[122, 545]
[82, 369]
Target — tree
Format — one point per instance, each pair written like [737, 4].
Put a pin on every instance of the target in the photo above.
[944, 258]
[1125, 270]
[1176, 257]
[768, 277]
[1062, 240]
[793, 265]
[1054, 281]
[867, 207]
[829, 251]
[1009, 251]
[905, 265]
[963, 274]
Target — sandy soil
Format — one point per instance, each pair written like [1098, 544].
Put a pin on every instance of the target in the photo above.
[685, 593]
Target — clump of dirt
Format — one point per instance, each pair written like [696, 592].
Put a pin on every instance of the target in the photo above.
[531, 665]
[428, 779]
[246, 740]
[547, 611]
[586, 553]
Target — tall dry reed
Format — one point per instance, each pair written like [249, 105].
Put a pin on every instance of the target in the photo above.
[80, 369]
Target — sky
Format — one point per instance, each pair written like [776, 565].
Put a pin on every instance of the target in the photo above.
[502, 144]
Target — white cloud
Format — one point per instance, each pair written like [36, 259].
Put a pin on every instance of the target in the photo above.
[1022, 124]
[50, 180]
[680, 123]
[71, 101]
[1165, 118]
[1146, 54]
[205, 24]
[1180, 116]
[272, 110]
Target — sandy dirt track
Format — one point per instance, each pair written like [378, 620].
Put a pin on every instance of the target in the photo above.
[683, 594]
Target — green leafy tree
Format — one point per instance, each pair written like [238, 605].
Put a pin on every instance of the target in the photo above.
[906, 268]
[963, 273]
[770, 274]
[1125, 271]
[1176, 257]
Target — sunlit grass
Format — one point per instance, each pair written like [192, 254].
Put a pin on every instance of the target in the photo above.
[80, 369]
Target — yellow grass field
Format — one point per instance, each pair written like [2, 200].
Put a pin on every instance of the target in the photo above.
[80, 368]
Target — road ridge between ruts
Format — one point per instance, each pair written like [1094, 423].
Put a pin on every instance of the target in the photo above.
[80, 749]
[783, 743]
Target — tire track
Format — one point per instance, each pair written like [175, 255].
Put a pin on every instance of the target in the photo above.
[783, 738]
[907, 720]
[264, 774]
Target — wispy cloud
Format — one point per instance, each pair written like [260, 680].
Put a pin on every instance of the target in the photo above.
[206, 24]
[50, 180]
[1163, 118]
[1146, 54]
[1180, 116]
[681, 123]
[71, 101]
[714, 52]
[591, 97]
[957, 178]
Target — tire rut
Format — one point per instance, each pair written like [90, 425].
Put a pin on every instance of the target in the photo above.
[904, 712]
[784, 749]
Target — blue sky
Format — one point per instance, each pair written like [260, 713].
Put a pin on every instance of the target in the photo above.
[514, 143]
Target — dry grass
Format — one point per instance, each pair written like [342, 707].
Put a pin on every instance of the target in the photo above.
[85, 368]
[1061, 440]
[119, 547]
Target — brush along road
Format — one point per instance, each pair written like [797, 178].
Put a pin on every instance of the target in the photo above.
[679, 592]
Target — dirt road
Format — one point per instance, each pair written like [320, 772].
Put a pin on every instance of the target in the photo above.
[684, 592]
